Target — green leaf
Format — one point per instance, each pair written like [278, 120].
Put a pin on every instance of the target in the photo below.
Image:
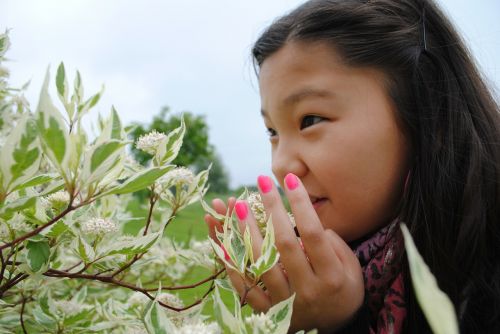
[134, 246]
[155, 318]
[36, 181]
[269, 253]
[230, 322]
[4, 44]
[20, 154]
[435, 304]
[62, 88]
[281, 315]
[22, 203]
[38, 254]
[103, 152]
[140, 181]
[55, 230]
[54, 134]
[170, 146]
[84, 250]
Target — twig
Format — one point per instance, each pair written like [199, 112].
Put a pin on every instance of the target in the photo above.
[22, 312]
[18, 278]
[190, 286]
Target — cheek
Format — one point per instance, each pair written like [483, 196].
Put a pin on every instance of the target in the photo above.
[364, 180]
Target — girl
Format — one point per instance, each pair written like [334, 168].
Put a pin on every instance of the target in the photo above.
[376, 115]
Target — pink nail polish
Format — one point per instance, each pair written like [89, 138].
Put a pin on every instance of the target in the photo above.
[241, 209]
[291, 181]
[265, 183]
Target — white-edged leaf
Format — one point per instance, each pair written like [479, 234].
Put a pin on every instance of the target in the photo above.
[36, 181]
[53, 132]
[269, 253]
[100, 159]
[230, 322]
[223, 255]
[169, 147]
[140, 181]
[63, 88]
[84, 250]
[210, 210]
[281, 315]
[20, 154]
[134, 246]
[435, 304]
[156, 319]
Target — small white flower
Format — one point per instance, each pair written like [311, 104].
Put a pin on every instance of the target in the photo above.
[59, 198]
[260, 323]
[98, 226]
[177, 176]
[149, 142]
[69, 307]
[199, 328]
[137, 299]
[170, 300]
[258, 210]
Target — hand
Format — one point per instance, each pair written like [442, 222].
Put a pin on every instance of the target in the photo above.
[326, 276]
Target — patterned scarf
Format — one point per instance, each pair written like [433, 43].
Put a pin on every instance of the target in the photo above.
[381, 259]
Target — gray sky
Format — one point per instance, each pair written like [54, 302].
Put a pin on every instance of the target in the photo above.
[190, 55]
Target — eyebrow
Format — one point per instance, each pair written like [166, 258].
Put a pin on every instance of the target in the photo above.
[303, 94]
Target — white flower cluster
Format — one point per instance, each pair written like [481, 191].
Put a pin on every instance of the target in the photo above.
[69, 307]
[179, 176]
[59, 198]
[170, 300]
[98, 226]
[162, 260]
[258, 210]
[260, 323]
[17, 224]
[201, 253]
[149, 142]
[137, 299]
[199, 328]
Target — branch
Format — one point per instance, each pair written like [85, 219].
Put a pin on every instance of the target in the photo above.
[112, 280]
[194, 285]
[18, 278]
[40, 228]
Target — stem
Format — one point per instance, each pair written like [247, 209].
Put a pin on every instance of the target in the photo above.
[22, 312]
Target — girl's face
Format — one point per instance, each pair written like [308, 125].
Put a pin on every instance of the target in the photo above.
[335, 128]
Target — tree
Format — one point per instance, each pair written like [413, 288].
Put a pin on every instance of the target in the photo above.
[197, 152]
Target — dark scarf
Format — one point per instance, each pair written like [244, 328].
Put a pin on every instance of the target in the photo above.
[380, 256]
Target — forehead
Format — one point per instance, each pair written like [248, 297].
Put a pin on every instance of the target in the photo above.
[300, 68]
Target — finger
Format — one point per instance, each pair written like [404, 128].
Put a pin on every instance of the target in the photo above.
[213, 225]
[274, 279]
[291, 255]
[254, 295]
[317, 245]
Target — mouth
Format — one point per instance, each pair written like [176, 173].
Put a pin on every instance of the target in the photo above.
[317, 201]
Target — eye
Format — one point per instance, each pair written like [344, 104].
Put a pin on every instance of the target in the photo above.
[310, 120]
[271, 132]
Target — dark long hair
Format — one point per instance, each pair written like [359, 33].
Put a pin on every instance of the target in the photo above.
[452, 121]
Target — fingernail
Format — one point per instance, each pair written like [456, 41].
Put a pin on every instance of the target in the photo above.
[291, 181]
[265, 183]
[241, 210]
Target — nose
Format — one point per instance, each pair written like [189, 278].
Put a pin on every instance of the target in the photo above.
[287, 158]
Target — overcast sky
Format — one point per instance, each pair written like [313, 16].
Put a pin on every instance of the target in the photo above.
[192, 55]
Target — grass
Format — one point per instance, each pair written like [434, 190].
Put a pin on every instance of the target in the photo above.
[188, 224]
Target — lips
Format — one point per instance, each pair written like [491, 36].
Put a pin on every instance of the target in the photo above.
[317, 201]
